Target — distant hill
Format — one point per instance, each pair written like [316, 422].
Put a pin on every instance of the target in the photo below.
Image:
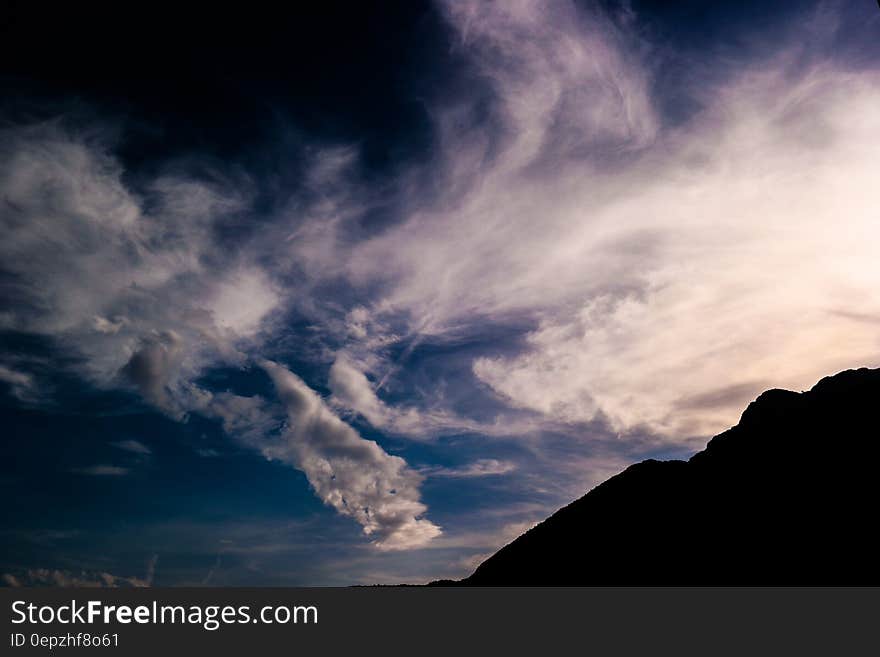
[787, 496]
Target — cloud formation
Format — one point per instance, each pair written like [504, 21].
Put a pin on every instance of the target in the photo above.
[131, 281]
[745, 237]
[351, 474]
[478, 468]
[20, 384]
[81, 579]
[671, 273]
[133, 446]
[137, 286]
[574, 258]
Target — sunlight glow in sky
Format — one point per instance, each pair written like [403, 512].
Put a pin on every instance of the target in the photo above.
[590, 265]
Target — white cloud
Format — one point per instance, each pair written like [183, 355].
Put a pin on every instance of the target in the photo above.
[140, 288]
[83, 578]
[423, 419]
[478, 468]
[133, 446]
[351, 474]
[153, 366]
[131, 281]
[21, 384]
[672, 273]
[243, 300]
[666, 274]
[754, 254]
[566, 99]
[352, 390]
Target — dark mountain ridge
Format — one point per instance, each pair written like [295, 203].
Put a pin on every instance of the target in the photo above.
[787, 496]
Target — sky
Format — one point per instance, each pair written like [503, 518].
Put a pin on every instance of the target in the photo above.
[357, 294]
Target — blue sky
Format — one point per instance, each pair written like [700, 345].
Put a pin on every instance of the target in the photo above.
[360, 294]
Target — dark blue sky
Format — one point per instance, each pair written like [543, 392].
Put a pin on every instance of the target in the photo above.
[357, 294]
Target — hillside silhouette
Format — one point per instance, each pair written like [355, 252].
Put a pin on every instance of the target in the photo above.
[787, 496]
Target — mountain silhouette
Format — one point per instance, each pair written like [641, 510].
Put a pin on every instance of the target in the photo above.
[787, 496]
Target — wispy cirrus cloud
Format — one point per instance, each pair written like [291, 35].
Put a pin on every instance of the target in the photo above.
[129, 280]
[133, 446]
[659, 265]
[478, 468]
[569, 261]
[138, 286]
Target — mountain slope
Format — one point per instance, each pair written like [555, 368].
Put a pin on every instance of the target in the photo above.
[787, 496]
